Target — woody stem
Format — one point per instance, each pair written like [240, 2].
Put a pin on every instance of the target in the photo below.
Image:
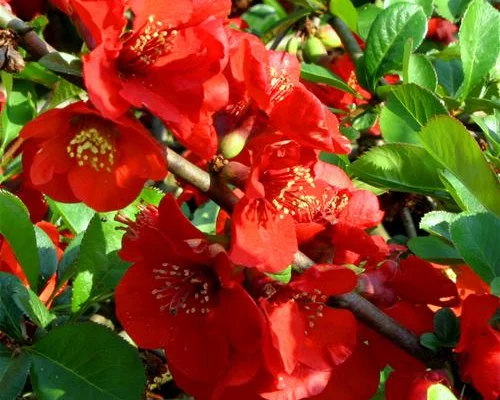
[218, 191]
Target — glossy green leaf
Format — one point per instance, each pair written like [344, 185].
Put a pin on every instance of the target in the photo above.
[407, 110]
[366, 15]
[446, 326]
[16, 227]
[277, 7]
[282, 276]
[426, 5]
[98, 267]
[19, 109]
[460, 193]
[317, 74]
[430, 341]
[421, 72]
[345, 10]
[434, 249]
[85, 361]
[400, 167]
[76, 215]
[65, 91]
[450, 75]
[479, 43]
[62, 63]
[388, 35]
[205, 217]
[495, 286]
[35, 72]
[10, 314]
[451, 9]
[476, 238]
[438, 223]
[13, 374]
[439, 392]
[47, 254]
[260, 18]
[29, 303]
[67, 265]
[451, 146]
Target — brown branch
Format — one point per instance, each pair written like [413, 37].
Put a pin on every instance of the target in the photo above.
[347, 38]
[221, 194]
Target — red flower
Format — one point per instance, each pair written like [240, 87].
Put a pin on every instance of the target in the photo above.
[441, 30]
[306, 338]
[479, 346]
[168, 62]
[182, 294]
[74, 154]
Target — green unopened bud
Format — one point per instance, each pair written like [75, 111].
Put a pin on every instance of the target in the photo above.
[314, 50]
[232, 144]
[293, 45]
[329, 37]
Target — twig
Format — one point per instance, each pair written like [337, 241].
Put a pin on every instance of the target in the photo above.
[411, 231]
[221, 194]
[347, 38]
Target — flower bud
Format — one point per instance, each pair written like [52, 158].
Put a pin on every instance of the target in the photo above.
[232, 144]
[293, 45]
[329, 37]
[314, 50]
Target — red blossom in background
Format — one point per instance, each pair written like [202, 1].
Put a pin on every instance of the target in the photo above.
[74, 154]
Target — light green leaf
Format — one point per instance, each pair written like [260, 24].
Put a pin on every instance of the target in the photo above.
[76, 215]
[407, 110]
[434, 249]
[205, 217]
[462, 196]
[388, 35]
[19, 109]
[400, 167]
[16, 227]
[85, 361]
[476, 238]
[366, 15]
[451, 146]
[421, 72]
[426, 5]
[283, 276]
[479, 43]
[98, 267]
[260, 18]
[452, 10]
[450, 74]
[63, 63]
[438, 391]
[438, 223]
[345, 10]
[318, 74]
[29, 303]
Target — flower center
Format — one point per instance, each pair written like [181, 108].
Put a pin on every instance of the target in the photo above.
[145, 46]
[93, 144]
[184, 290]
[294, 191]
[280, 86]
[312, 305]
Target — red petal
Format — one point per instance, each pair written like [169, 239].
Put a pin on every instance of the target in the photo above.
[362, 210]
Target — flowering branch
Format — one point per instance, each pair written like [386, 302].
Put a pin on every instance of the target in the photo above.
[218, 191]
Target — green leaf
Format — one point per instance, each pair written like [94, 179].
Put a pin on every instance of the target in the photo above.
[85, 361]
[47, 254]
[260, 18]
[407, 110]
[451, 146]
[450, 74]
[64, 91]
[479, 43]
[430, 341]
[317, 74]
[98, 267]
[388, 35]
[438, 391]
[76, 215]
[67, 266]
[434, 249]
[63, 63]
[35, 72]
[345, 10]
[495, 286]
[476, 238]
[10, 314]
[400, 167]
[205, 217]
[19, 109]
[462, 196]
[446, 327]
[366, 15]
[277, 6]
[421, 72]
[427, 5]
[438, 223]
[451, 9]
[283, 276]
[28, 302]
[13, 374]
[16, 227]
